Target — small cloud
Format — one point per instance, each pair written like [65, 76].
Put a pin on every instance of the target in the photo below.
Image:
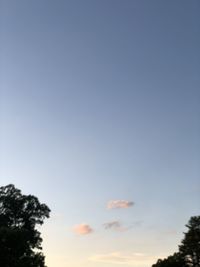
[134, 259]
[116, 226]
[112, 225]
[119, 204]
[82, 229]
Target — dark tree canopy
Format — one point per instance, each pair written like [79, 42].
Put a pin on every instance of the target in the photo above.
[190, 245]
[189, 250]
[172, 261]
[20, 241]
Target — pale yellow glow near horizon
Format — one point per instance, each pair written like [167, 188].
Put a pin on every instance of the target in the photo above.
[70, 250]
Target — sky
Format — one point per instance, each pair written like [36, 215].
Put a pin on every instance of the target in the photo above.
[99, 118]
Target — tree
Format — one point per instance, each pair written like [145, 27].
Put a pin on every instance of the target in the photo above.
[190, 245]
[20, 241]
[172, 261]
[189, 250]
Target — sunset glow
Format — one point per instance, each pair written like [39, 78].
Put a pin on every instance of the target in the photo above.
[99, 112]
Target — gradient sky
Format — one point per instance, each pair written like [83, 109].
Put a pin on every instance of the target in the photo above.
[100, 102]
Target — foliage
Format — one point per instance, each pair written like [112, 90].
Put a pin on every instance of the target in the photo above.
[20, 241]
[172, 261]
[190, 245]
[189, 250]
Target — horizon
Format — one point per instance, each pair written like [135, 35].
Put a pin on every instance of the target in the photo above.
[99, 117]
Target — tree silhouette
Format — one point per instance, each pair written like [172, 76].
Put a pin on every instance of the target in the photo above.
[190, 245]
[20, 241]
[172, 261]
[189, 250]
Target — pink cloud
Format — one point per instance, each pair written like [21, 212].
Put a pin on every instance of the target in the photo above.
[119, 204]
[82, 229]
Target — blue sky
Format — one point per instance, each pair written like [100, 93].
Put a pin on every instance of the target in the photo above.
[100, 102]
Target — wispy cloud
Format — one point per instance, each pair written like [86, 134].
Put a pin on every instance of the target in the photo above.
[112, 225]
[119, 204]
[116, 226]
[82, 229]
[134, 259]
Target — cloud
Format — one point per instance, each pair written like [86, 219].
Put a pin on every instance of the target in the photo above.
[116, 226]
[134, 259]
[119, 204]
[112, 225]
[82, 229]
